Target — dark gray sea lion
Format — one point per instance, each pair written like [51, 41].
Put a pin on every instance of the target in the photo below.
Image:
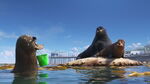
[26, 61]
[100, 41]
[116, 50]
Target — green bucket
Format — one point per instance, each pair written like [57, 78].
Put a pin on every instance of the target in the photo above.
[42, 83]
[43, 75]
[43, 59]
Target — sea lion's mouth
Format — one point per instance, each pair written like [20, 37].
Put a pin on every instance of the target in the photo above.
[37, 46]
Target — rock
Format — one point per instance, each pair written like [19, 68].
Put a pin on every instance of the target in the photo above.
[99, 61]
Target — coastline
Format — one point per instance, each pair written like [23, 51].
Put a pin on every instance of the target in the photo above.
[144, 59]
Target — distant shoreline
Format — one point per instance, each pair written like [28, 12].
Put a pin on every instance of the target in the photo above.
[137, 57]
[140, 58]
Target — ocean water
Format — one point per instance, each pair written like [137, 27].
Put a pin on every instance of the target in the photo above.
[92, 75]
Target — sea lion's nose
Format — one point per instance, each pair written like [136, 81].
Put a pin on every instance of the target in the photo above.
[101, 30]
[34, 38]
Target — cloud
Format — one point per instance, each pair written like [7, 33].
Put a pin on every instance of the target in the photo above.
[78, 50]
[7, 53]
[6, 35]
[8, 56]
[135, 46]
[85, 47]
[75, 49]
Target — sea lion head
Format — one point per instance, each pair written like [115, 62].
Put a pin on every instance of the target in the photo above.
[100, 31]
[28, 43]
[120, 43]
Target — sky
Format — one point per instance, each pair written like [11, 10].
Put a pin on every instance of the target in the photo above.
[70, 25]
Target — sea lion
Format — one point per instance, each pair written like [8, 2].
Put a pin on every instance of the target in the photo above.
[100, 41]
[116, 50]
[26, 61]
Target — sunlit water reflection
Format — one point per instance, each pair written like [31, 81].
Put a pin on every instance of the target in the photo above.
[93, 75]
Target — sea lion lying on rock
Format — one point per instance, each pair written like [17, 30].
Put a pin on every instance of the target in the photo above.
[99, 61]
[100, 41]
[26, 61]
[116, 50]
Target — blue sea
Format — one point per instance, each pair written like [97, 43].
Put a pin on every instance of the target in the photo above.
[91, 75]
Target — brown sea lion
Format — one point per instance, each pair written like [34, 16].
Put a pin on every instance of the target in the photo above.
[116, 50]
[26, 61]
[100, 41]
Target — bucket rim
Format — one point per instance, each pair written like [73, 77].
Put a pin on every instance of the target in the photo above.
[43, 55]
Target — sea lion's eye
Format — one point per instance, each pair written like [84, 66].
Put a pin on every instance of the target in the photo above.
[34, 38]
